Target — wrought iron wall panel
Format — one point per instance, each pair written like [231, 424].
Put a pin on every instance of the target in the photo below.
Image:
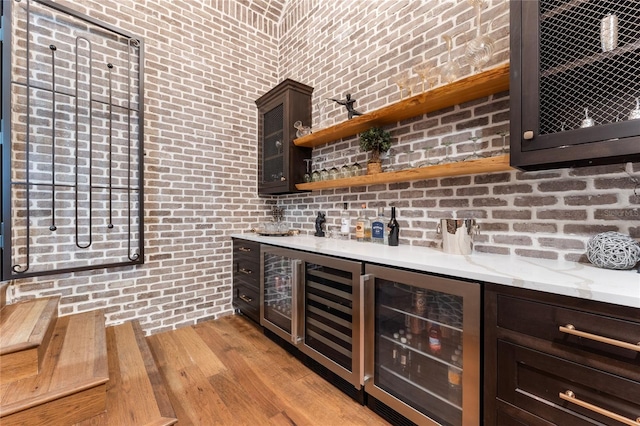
[72, 153]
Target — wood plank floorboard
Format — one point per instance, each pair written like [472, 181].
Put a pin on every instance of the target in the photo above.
[226, 372]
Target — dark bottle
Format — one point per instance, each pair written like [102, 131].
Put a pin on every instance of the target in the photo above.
[394, 228]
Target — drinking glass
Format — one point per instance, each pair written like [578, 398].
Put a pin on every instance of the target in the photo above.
[428, 161]
[423, 71]
[450, 71]
[402, 80]
[504, 135]
[356, 169]
[475, 155]
[307, 174]
[345, 170]
[334, 173]
[446, 159]
[479, 50]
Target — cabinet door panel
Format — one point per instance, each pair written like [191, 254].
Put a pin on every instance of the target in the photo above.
[543, 320]
[533, 381]
[561, 75]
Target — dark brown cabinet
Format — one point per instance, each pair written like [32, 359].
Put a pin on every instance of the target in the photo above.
[573, 94]
[281, 163]
[557, 360]
[246, 278]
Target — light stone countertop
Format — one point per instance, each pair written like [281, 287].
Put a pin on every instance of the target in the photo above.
[552, 276]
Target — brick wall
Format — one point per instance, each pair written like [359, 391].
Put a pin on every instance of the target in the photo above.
[206, 63]
[362, 49]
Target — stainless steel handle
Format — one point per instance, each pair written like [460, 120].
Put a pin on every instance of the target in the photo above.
[528, 135]
[369, 327]
[246, 271]
[245, 298]
[570, 329]
[571, 397]
[295, 304]
[245, 249]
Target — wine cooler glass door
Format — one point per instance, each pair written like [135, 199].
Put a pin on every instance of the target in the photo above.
[424, 360]
[279, 307]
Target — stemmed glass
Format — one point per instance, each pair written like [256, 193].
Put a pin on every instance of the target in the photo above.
[402, 80]
[450, 71]
[475, 155]
[446, 159]
[334, 173]
[345, 170]
[504, 135]
[423, 71]
[479, 50]
[307, 175]
[324, 173]
[428, 161]
[390, 155]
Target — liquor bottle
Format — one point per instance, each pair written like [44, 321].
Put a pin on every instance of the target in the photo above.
[454, 376]
[378, 227]
[395, 354]
[435, 339]
[418, 369]
[419, 310]
[394, 228]
[363, 226]
[404, 357]
[344, 222]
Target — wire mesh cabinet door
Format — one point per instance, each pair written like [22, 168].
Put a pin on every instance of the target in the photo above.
[574, 94]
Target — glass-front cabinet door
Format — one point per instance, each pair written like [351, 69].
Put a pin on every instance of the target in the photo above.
[279, 307]
[423, 345]
[574, 82]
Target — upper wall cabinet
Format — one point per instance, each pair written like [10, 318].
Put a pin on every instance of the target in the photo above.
[574, 83]
[281, 163]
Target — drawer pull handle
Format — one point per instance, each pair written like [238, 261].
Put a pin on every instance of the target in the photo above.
[245, 249]
[570, 329]
[245, 298]
[571, 397]
[246, 271]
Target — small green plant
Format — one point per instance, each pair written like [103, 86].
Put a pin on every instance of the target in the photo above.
[376, 141]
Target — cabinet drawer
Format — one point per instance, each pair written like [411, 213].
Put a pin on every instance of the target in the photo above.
[246, 249]
[543, 321]
[247, 300]
[533, 381]
[246, 262]
[247, 272]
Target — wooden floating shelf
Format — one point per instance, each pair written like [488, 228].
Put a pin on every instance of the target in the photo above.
[460, 168]
[469, 88]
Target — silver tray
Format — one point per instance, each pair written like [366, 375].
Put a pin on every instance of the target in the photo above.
[276, 233]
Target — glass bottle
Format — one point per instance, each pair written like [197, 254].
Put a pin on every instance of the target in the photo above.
[363, 226]
[378, 227]
[394, 228]
[435, 339]
[395, 355]
[454, 376]
[344, 222]
[404, 357]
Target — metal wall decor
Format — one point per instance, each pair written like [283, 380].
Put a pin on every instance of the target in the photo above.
[72, 169]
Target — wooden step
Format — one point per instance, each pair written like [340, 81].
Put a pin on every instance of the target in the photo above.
[3, 294]
[72, 383]
[135, 394]
[25, 332]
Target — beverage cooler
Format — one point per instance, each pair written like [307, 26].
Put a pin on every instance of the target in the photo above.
[314, 302]
[422, 346]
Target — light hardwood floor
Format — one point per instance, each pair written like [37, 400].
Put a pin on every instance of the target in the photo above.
[226, 372]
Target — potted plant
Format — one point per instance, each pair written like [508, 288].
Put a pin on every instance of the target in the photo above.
[376, 141]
